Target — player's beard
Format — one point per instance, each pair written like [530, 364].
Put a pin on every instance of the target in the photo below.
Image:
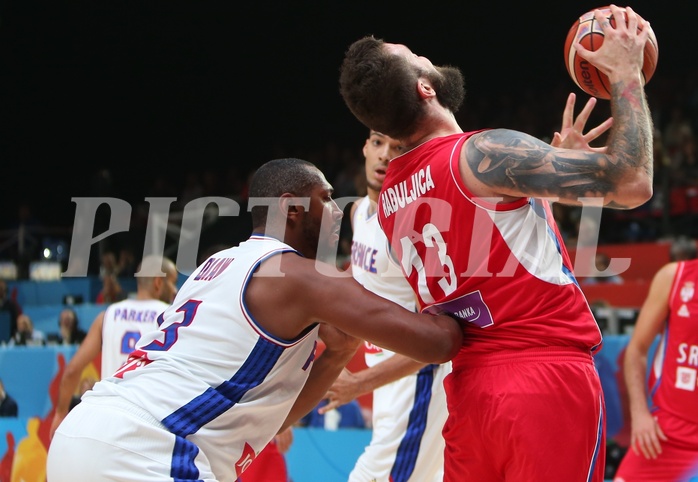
[450, 87]
[318, 240]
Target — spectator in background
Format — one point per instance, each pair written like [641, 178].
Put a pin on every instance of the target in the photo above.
[127, 262]
[109, 270]
[10, 305]
[26, 334]
[108, 264]
[602, 262]
[677, 129]
[70, 332]
[8, 405]
[111, 291]
[683, 248]
[588, 228]
[117, 262]
[684, 162]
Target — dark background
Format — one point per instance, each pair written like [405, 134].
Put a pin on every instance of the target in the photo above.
[147, 88]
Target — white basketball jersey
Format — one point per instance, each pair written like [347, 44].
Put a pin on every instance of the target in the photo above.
[211, 375]
[376, 270]
[123, 325]
[409, 413]
[371, 262]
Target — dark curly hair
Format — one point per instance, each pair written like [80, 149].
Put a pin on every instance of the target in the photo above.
[378, 88]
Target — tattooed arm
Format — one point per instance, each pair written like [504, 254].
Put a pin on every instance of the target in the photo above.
[508, 163]
[515, 164]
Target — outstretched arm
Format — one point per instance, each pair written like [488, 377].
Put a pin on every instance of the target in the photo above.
[308, 296]
[348, 313]
[349, 386]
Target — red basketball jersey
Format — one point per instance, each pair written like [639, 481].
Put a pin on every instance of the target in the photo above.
[502, 267]
[673, 378]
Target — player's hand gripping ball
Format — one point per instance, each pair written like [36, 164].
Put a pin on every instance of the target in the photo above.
[588, 31]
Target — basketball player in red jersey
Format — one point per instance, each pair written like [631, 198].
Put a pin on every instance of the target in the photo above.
[469, 216]
[664, 434]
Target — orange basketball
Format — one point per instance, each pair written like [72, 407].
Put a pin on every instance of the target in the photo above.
[587, 77]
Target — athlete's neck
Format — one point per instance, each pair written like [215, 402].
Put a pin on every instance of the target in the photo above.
[441, 125]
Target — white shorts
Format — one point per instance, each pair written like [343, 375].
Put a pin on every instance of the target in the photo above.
[408, 418]
[116, 440]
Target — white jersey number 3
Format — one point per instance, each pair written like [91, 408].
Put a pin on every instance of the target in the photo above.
[410, 259]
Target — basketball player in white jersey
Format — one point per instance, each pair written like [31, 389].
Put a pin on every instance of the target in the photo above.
[409, 402]
[115, 331]
[234, 361]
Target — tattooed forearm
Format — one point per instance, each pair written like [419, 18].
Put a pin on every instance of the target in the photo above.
[631, 141]
[518, 162]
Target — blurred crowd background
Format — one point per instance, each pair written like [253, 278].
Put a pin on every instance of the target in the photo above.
[184, 99]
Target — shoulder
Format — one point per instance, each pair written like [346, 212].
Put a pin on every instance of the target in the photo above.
[100, 316]
[667, 272]
[480, 135]
[484, 160]
[296, 276]
[663, 281]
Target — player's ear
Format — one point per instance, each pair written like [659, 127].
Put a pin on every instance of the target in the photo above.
[289, 206]
[424, 88]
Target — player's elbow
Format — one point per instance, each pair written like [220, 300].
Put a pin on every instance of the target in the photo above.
[447, 344]
[643, 193]
[445, 354]
[632, 194]
[453, 346]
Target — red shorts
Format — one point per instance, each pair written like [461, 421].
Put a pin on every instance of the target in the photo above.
[678, 461]
[528, 416]
[268, 466]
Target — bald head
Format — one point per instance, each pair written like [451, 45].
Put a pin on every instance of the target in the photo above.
[156, 278]
[154, 266]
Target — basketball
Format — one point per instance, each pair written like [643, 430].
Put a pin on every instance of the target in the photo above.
[587, 77]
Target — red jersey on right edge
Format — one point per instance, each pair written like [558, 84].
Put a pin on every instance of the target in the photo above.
[673, 378]
[502, 267]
